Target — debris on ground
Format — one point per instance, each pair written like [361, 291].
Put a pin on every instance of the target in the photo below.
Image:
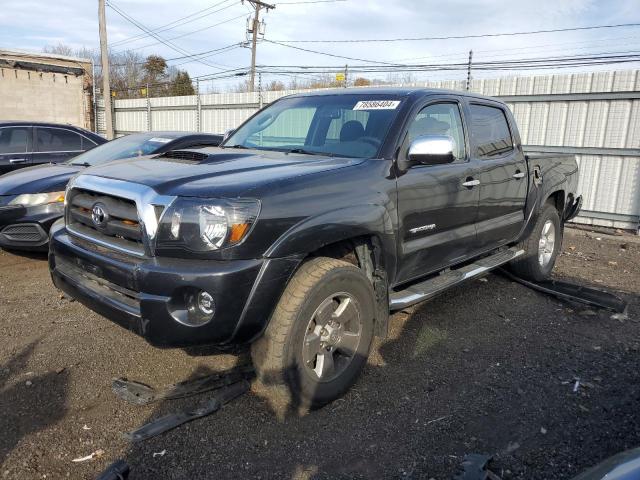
[118, 470]
[159, 454]
[573, 292]
[173, 420]
[141, 394]
[96, 454]
[86, 427]
[475, 466]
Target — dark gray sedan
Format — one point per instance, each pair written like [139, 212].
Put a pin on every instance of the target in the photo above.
[31, 199]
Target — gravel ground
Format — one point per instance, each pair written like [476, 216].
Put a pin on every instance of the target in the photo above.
[489, 367]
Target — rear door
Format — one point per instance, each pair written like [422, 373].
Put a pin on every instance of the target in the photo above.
[56, 144]
[502, 171]
[15, 145]
[437, 213]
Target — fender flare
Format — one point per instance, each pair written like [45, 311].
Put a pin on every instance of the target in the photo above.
[330, 227]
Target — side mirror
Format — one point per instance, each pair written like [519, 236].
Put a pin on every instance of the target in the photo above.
[431, 150]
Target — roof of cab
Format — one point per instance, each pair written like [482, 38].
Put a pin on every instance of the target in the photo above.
[395, 91]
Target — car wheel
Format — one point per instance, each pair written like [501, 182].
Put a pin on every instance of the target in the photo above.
[319, 335]
[541, 247]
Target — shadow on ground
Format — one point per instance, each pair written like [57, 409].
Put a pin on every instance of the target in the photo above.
[20, 418]
[489, 367]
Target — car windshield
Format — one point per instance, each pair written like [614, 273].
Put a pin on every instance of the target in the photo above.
[134, 145]
[346, 125]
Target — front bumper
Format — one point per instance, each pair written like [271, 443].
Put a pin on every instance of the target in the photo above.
[27, 228]
[139, 293]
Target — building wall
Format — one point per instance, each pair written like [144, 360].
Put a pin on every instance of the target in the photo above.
[32, 95]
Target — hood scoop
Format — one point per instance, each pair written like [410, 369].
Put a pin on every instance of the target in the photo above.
[185, 156]
[198, 157]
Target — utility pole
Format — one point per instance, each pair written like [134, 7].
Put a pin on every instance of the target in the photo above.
[93, 94]
[346, 75]
[254, 30]
[104, 55]
[469, 70]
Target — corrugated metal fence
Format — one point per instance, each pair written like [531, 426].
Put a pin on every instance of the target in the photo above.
[595, 116]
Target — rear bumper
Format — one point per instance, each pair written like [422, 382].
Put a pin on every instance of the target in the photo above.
[140, 294]
[27, 228]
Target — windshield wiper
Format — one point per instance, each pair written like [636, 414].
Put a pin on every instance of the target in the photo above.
[308, 152]
[81, 164]
[236, 146]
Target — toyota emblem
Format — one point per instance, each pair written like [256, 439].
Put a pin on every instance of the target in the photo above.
[98, 215]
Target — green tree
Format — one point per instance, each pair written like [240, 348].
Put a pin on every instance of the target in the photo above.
[181, 84]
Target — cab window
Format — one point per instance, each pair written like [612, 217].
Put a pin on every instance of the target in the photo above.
[440, 119]
[490, 134]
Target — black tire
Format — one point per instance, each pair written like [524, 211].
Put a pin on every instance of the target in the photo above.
[278, 356]
[528, 266]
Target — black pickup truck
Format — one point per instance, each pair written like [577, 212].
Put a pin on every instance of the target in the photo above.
[317, 217]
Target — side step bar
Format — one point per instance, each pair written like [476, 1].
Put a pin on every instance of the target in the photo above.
[430, 288]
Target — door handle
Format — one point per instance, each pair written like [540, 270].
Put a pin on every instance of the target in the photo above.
[470, 183]
[518, 174]
[17, 160]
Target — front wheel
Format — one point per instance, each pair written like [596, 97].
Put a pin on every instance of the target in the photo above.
[319, 335]
[541, 247]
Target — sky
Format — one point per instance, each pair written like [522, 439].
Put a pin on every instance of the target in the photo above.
[34, 24]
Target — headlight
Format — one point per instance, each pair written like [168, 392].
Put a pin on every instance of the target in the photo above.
[33, 199]
[204, 225]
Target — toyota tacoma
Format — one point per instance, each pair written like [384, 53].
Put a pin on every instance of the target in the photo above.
[315, 219]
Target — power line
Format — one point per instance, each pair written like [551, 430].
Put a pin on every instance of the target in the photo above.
[174, 24]
[168, 43]
[192, 32]
[328, 54]
[458, 37]
[201, 55]
[310, 1]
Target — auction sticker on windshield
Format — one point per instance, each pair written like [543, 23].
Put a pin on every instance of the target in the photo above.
[377, 105]
[160, 140]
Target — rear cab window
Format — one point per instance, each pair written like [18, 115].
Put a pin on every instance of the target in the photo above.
[490, 132]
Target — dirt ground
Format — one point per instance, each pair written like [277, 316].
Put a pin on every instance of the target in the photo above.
[489, 367]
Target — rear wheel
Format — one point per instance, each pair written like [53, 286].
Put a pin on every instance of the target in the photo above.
[319, 335]
[541, 247]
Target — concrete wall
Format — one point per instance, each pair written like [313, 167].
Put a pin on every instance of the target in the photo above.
[35, 94]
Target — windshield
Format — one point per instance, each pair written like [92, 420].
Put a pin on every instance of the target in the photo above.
[353, 125]
[134, 145]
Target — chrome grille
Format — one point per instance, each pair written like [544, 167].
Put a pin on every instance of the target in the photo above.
[107, 219]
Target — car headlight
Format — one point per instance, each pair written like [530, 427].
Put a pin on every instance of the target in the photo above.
[33, 199]
[204, 225]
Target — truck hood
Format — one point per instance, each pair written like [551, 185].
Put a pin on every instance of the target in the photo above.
[222, 173]
[39, 179]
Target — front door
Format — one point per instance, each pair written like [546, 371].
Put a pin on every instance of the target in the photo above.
[502, 171]
[14, 148]
[437, 211]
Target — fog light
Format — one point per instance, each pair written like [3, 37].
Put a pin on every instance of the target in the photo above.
[192, 307]
[205, 303]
